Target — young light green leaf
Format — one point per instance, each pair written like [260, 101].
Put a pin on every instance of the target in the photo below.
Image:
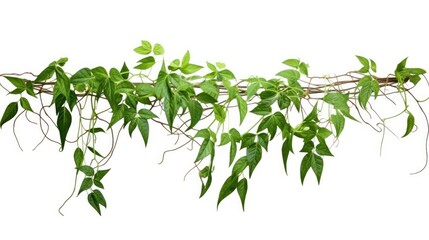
[158, 49]
[242, 191]
[84, 75]
[78, 157]
[64, 121]
[303, 68]
[252, 88]
[224, 139]
[292, 63]
[25, 104]
[228, 187]
[86, 184]
[144, 49]
[242, 108]
[410, 124]
[190, 68]
[290, 74]
[373, 65]
[145, 63]
[365, 64]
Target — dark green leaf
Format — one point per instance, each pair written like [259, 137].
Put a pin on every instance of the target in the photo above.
[143, 127]
[228, 187]
[62, 61]
[17, 82]
[146, 63]
[98, 184]
[242, 191]
[78, 157]
[242, 108]
[283, 101]
[63, 82]
[204, 173]
[170, 107]
[306, 163]
[47, 73]
[95, 152]
[95, 130]
[292, 62]
[25, 104]
[86, 184]
[158, 49]
[100, 198]
[30, 89]
[286, 148]
[87, 170]
[303, 68]
[146, 114]
[144, 49]
[125, 72]
[195, 111]
[262, 109]
[64, 121]
[99, 175]
[263, 140]
[317, 166]
[239, 166]
[323, 149]
[307, 147]
[410, 124]
[206, 98]
[82, 76]
[92, 200]
[254, 155]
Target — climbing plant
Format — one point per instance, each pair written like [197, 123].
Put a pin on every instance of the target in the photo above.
[209, 107]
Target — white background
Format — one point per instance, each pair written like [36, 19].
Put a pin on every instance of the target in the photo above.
[361, 196]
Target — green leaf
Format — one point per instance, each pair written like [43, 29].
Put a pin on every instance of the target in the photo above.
[86, 184]
[195, 111]
[92, 200]
[206, 148]
[323, 132]
[252, 89]
[82, 76]
[64, 121]
[313, 115]
[366, 88]
[158, 49]
[143, 127]
[410, 124]
[47, 73]
[25, 104]
[283, 101]
[239, 166]
[242, 108]
[30, 89]
[247, 140]
[203, 133]
[125, 72]
[63, 82]
[317, 166]
[286, 149]
[204, 173]
[94, 151]
[62, 61]
[224, 139]
[78, 157]
[306, 163]
[303, 68]
[254, 155]
[242, 191]
[190, 68]
[290, 74]
[307, 147]
[262, 110]
[339, 101]
[144, 49]
[219, 113]
[235, 135]
[292, 63]
[263, 140]
[186, 58]
[145, 63]
[365, 64]
[339, 121]
[87, 170]
[226, 75]
[232, 151]
[211, 88]
[98, 184]
[373, 65]
[100, 198]
[99, 175]
[170, 107]
[147, 114]
[17, 82]
[323, 149]
[228, 187]
[401, 65]
[206, 98]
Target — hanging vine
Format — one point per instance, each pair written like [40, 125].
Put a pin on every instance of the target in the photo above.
[194, 102]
